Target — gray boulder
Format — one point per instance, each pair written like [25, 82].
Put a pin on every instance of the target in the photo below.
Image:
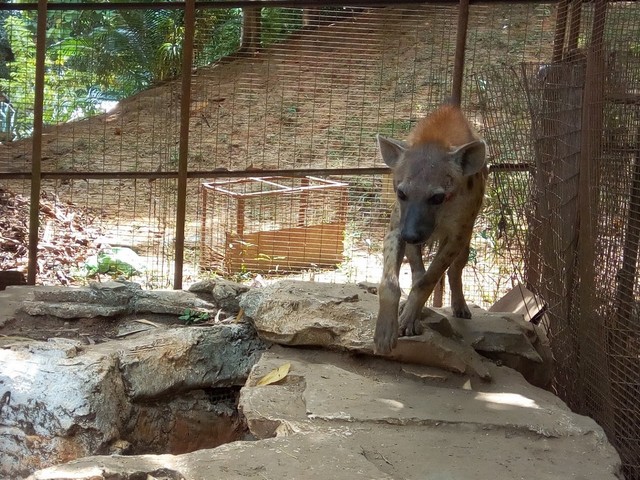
[64, 400]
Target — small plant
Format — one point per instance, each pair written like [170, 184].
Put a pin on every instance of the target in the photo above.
[191, 317]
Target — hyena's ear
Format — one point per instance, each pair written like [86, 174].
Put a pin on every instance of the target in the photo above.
[390, 149]
[471, 157]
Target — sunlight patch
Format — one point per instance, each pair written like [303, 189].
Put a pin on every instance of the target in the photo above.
[392, 404]
[511, 399]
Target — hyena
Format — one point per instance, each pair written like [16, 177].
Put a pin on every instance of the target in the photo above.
[439, 177]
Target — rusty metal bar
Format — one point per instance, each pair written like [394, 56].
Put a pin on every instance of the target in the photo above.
[590, 335]
[224, 173]
[461, 46]
[36, 143]
[456, 98]
[225, 4]
[183, 151]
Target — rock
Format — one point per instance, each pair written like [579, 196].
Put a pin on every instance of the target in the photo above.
[316, 457]
[431, 348]
[504, 426]
[173, 302]
[509, 339]
[336, 416]
[63, 399]
[59, 407]
[203, 286]
[110, 299]
[107, 293]
[438, 322]
[158, 363]
[69, 310]
[342, 317]
[114, 293]
[12, 299]
[225, 292]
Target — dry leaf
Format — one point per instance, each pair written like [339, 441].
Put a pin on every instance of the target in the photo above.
[275, 375]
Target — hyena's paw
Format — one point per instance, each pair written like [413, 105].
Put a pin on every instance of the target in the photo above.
[385, 338]
[409, 321]
[461, 310]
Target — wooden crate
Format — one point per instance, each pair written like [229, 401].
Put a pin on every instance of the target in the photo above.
[273, 224]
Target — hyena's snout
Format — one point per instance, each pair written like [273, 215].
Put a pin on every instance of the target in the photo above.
[418, 225]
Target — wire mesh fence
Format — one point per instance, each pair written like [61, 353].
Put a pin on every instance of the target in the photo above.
[299, 93]
[577, 120]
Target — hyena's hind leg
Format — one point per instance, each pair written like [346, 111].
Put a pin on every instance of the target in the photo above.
[409, 320]
[458, 303]
[414, 255]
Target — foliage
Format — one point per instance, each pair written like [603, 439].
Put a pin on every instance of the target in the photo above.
[65, 92]
[6, 55]
[277, 23]
[190, 317]
[115, 261]
[93, 56]
[97, 55]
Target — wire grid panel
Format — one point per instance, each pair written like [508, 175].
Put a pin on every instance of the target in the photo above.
[611, 323]
[577, 120]
[618, 229]
[314, 93]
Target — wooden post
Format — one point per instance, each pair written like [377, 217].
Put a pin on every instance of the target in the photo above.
[185, 110]
[303, 207]
[36, 143]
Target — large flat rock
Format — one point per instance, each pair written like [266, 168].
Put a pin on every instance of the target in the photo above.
[502, 428]
[342, 317]
[318, 457]
[108, 299]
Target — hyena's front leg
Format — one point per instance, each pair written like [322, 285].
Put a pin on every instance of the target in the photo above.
[410, 316]
[458, 303]
[386, 335]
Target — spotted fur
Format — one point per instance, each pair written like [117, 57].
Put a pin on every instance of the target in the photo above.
[439, 175]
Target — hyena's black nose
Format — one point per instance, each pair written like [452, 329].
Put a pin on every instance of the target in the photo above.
[412, 236]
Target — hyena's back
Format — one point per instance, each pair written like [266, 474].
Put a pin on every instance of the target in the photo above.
[446, 127]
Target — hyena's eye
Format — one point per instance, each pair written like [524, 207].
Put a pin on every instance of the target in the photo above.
[436, 199]
[401, 195]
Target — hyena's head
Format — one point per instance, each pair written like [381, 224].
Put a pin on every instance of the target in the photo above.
[426, 178]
